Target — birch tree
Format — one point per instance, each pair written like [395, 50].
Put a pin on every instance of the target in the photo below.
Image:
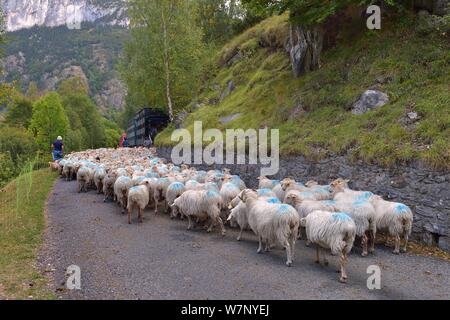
[162, 61]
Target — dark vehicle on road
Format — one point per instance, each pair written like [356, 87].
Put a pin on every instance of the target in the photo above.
[146, 123]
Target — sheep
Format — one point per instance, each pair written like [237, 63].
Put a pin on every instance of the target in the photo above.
[139, 197]
[194, 185]
[289, 184]
[279, 192]
[363, 214]
[160, 190]
[108, 185]
[394, 218]
[267, 193]
[265, 183]
[305, 206]
[238, 216]
[228, 192]
[175, 190]
[68, 170]
[83, 178]
[272, 223]
[331, 230]
[200, 204]
[99, 177]
[121, 186]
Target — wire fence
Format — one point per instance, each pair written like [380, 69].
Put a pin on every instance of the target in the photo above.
[15, 196]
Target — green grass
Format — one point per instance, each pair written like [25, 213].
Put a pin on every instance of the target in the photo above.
[22, 223]
[266, 94]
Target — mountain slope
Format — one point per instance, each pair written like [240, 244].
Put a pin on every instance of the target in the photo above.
[47, 46]
[252, 87]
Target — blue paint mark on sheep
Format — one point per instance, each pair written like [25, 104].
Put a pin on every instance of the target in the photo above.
[307, 195]
[365, 196]
[360, 203]
[176, 186]
[283, 209]
[273, 200]
[329, 202]
[341, 216]
[401, 208]
[262, 192]
[212, 194]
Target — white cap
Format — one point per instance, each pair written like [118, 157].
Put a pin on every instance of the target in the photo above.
[59, 138]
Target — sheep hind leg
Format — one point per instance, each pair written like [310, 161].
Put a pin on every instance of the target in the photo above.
[130, 212]
[189, 222]
[288, 253]
[317, 254]
[141, 215]
[343, 263]
[260, 249]
[397, 245]
[405, 245]
[240, 234]
[372, 242]
[222, 227]
[364, 242]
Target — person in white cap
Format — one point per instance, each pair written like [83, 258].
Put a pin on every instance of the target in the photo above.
[58, 149]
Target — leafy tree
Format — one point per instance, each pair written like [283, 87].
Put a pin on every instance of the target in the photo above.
[310, 12]
[74, 85]
[218, 19]
[18, 142]
[20, 112]
[162, 62]
[85, 120]
[49, 120]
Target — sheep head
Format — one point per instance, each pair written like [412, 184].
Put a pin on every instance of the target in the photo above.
[287, 183]
[339, 185]
[293, 199]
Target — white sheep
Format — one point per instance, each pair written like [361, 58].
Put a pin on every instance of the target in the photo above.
[394, 218]
[228, 192]
[108, 185]
[238, 216]
[289, 184]
[99, 177]
[200, 205]
[174, 191]
[272, 223]
[279, 192]
[68, 170]
[83, 178]
[331, 230]
[363, 214]
[305, 206]
[121, 186]
[138, 197]
[266, 193]
[160, 191]
[265, 183]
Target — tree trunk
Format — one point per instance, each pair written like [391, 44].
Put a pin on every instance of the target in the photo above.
[167, 68]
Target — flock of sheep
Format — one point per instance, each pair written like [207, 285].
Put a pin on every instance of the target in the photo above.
[279, 212]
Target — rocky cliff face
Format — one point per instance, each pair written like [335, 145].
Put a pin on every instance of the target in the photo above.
[52, 40]
[28, 13]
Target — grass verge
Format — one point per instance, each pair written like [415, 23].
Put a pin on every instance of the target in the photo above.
[22, 224]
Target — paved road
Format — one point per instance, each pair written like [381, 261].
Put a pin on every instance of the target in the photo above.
[160, 259]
